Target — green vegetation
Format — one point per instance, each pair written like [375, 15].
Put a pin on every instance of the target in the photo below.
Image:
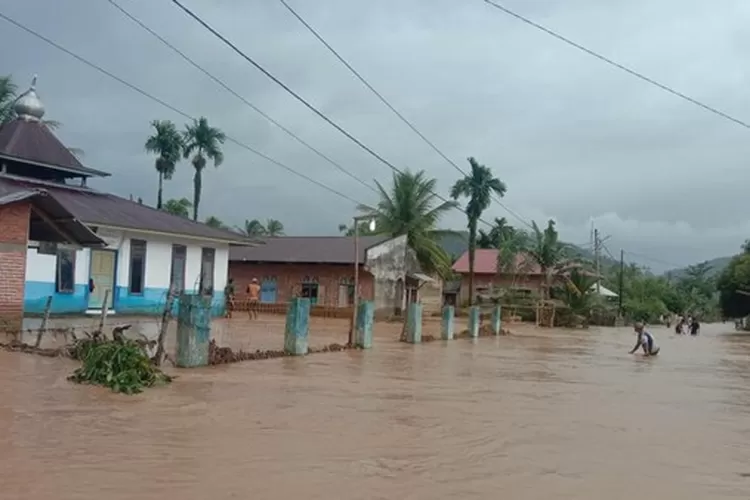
[478, 186]
[204, 143]
[410, 207]
[167, 144]
[121, 365]
[733, 285]
[255, 228]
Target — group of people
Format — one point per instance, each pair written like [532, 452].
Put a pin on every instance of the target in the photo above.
[684, 324]
[253, 294]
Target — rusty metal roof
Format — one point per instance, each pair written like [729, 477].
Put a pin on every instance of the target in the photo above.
[307, 249]
[33, 142]
[51, 221]
[102, 209]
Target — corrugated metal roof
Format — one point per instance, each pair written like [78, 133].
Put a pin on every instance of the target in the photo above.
[33, 142]
[485, 262]
[75, 232]
[102, 209]
[307, 249]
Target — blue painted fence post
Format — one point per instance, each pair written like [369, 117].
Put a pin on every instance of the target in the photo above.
[414, 324]
[297, 326]
[446, 328]
[474, 320]
[496, 320]
[365, 320]
[193, 331]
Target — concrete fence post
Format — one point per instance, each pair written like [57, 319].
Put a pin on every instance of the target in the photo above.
[446, 327]
[474, 321]
[497, 320]
[365, 320]
[297, 326]
[414, 324]
[193, 331]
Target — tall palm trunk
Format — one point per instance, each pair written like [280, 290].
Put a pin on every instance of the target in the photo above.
[197, 186]
[159, 194]
[472, 251]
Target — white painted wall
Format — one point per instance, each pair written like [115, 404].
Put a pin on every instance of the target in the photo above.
[41, 267]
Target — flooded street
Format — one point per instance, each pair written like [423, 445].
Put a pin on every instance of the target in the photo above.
[541, 414]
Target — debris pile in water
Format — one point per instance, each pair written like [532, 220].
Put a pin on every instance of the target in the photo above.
[220, 355]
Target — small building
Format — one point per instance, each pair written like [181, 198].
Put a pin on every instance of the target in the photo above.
[322, 268]
[527, 278]
[81, 245]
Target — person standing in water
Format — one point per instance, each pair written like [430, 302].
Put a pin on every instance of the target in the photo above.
[229, 298]
[253, 291]
[645, 341]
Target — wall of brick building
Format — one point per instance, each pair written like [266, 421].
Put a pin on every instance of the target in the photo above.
[14, 235]
[532, 282]
[289, 278]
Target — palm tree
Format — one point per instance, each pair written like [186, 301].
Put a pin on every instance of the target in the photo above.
[546, 250]
[167, 144]
[478, 187]
[179, 207]
[274, 228]
[411, 207]
[205, 141]
[500, 230]
[215, 222]
[8, 91]
[252, 228]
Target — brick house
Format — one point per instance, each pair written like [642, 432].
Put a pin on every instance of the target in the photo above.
[528, 278]
[322, 268]
[61, 238]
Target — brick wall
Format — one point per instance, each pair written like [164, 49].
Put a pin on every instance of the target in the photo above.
[14, 235]
[289, 279]
[533, 282]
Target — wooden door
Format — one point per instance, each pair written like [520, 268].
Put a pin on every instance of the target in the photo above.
[102, 273]
[343, 295]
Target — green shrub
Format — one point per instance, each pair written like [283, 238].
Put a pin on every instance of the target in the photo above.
[123, 366]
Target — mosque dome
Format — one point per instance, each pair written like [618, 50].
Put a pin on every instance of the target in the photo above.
[28, 106]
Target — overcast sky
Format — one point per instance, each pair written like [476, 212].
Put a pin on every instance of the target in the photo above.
[573, 138]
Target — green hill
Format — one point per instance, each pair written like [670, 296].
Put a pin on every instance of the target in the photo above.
[717, 266]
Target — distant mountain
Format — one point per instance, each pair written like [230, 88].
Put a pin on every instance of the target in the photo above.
[717, 266]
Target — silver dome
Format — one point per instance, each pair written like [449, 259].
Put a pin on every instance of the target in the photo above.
[28, 105]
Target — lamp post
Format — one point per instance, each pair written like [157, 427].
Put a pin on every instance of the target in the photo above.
[355, 304]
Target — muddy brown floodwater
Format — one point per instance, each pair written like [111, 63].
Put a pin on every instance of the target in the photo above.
[538, 415]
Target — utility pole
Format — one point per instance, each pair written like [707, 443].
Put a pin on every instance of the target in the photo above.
[622, 273]
[597, 244]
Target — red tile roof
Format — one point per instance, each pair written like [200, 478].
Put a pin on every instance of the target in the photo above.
[33, 142]
[485, 262]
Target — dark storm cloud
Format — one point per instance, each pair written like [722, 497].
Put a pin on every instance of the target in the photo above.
[573, 138]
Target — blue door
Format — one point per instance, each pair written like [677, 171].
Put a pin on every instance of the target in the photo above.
[268, 291]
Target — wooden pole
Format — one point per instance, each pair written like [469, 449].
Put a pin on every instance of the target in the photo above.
[165, 316]
[621, 280]
[45, 319]
[105, 309]
[356, 282]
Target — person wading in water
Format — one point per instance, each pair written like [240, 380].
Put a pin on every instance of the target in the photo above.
[645, 341]
[253, 291]
[229, 298]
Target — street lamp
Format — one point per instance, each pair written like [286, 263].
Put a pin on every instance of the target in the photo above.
[371, 227]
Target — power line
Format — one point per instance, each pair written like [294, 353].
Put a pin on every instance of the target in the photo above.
[237, 95]
[385, 101]
[617, 65]
[167, 105]
[301, 99]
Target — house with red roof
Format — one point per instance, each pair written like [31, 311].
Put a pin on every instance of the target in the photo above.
[524, 276]
[62, 239]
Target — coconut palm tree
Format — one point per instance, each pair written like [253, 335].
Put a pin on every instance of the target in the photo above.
[478, 186]
[166, 143]
[548, 252]
[252, 228]
[274, 228]
[179, 207]
[215, 222]
[204, 143]
[410, 207]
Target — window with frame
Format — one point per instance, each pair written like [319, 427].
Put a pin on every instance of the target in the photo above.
[177, 274]
[65, 270]
[137, 267]
[208, 257]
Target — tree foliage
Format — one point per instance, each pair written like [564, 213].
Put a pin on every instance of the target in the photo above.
[179, 207]
[478, 186]
[166, 143]
[255, 228]
[204, 143]
[215, 222]
[734, 286]
[411, 207]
